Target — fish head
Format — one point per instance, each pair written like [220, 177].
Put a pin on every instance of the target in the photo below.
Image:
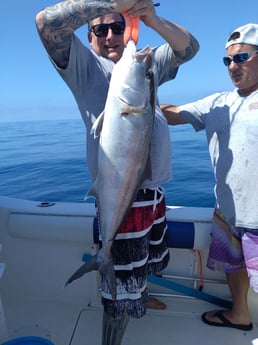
[130, 77]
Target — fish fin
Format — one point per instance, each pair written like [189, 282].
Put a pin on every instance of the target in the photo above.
[91, 192]
[96, 263]
[108, 273]
[97, 125]
[91, 265]
[125, 110]
[153, 94]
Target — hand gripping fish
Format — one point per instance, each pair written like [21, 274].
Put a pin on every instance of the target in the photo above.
[132, 27]
[124, 130]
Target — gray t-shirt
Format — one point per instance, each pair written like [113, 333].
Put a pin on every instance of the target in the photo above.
[231, 124]
[88, 77]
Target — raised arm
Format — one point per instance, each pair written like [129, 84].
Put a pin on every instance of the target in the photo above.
[57, 23]
[172, 114]
[184, 45]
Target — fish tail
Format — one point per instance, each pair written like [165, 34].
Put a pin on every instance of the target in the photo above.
[131, 28]
[88, 266]
[113, 329]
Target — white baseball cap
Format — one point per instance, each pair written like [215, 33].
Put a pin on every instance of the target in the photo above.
[246, 34]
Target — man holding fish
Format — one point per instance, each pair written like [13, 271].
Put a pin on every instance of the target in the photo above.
[127, 167]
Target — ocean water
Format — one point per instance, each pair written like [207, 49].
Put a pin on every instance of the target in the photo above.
[46, 161]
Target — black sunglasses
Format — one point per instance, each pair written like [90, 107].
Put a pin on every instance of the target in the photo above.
[239, 57]
[101, 30]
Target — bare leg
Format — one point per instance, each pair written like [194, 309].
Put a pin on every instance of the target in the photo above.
[238, 284]
[113, 329]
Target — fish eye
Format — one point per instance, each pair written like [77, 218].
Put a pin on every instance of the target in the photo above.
[149, 74]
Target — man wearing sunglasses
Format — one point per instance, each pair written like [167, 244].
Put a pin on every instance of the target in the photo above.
[87, 72]
[231, 123]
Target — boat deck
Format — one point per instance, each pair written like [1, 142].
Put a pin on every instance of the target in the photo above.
[70, 324]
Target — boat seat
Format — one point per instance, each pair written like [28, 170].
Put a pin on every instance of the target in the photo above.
[184, 235]
[187, 233]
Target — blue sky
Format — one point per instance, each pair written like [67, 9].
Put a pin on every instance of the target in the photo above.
[32, 90]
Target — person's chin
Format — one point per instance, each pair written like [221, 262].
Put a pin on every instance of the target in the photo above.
[114, 56]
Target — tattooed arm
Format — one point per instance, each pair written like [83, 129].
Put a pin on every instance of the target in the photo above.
[57, 23]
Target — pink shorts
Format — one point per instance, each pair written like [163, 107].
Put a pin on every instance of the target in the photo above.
[233, 248]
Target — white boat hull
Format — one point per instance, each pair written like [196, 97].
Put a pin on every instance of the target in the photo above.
[43, 243]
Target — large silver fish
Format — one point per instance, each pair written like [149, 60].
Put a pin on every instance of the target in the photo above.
[125, 130]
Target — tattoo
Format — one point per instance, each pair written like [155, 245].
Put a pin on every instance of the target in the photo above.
[57, 23]
[189, 52]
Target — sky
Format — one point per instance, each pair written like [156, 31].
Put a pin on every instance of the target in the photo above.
[30, 88]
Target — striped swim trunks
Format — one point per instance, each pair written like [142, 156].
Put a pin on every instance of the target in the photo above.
[140, 248]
